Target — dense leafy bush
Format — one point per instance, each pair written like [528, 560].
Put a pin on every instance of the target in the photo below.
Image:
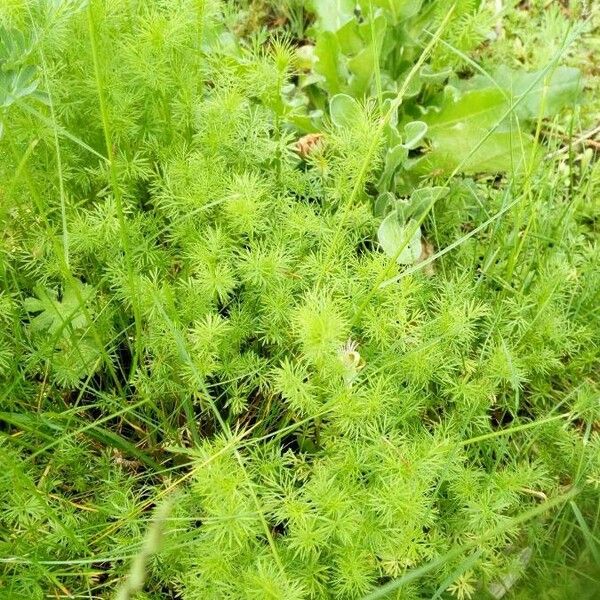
[235, 365]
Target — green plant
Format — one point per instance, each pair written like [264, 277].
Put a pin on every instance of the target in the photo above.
[217, 381]
[443, 124]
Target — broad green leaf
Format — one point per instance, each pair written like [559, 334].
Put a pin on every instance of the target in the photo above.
[387, 104]
[383, 203]
[481, 108]
[394, 157]
[363, 64]
[473, 132]
[422, 200]
[308, 79]
[349, 38]
[334, 14]
[306, 123]
[344, 110]
[554, 91]
[533, 94]
[401, 241]
[373, 28]
[361, 67]
[469, 133]
[392, 135]
[430, 76]
[329, 63]
[420, 203]
[18, 84]
[462, 149]
[415, 85]
[414, 132]
[397, 9]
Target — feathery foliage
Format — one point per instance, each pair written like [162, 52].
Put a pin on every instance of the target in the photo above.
[299, 300]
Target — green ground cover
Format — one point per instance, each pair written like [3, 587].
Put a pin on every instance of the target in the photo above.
[299, 299]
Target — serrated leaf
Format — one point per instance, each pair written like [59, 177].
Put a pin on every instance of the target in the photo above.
[54, 314]
[344, 110]
[17, 79]
[15, 47]
[400, 241]
[76, 356]
[17, 84]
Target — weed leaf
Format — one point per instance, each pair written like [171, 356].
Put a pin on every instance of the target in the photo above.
[400, 240]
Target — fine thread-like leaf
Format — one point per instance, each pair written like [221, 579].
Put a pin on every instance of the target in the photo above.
[115, 187]
[385, 590]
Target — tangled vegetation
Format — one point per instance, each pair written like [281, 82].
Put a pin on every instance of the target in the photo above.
[299, 300]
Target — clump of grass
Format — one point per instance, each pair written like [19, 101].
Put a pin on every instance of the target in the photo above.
[190, 305]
